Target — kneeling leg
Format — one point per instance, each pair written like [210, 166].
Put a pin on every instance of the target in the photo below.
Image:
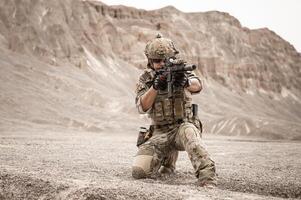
[147, 162]
[189, 139]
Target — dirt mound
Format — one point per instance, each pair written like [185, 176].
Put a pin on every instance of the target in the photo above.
[18, 186]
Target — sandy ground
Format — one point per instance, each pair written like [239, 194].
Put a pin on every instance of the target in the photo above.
[80, 165]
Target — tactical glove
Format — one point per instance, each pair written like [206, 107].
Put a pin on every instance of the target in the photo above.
[160, 82]
[181, 80]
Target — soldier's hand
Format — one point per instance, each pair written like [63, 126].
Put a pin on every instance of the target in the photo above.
[181, 80]
[160, 82]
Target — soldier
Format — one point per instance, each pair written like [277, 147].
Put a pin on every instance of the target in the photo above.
[173, 127]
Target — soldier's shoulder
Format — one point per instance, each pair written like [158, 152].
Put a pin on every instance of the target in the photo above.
[147, 75]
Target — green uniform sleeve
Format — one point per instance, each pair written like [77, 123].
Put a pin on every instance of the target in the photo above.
[143, 85]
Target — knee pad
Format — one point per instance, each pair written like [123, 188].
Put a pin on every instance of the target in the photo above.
[142, 166]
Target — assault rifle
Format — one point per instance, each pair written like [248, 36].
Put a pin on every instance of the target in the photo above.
[172, 67]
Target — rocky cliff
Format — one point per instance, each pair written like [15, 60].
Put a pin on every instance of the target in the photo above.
[79, 61]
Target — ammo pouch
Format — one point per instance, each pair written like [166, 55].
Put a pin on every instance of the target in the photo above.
[144, 134]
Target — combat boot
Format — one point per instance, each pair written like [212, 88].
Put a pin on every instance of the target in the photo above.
[210, 184]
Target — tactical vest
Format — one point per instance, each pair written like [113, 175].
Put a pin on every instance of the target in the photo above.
[171, 110]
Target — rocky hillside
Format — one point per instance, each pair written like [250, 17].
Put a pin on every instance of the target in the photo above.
[74, 64]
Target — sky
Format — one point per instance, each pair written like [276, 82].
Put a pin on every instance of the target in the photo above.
[281, 16]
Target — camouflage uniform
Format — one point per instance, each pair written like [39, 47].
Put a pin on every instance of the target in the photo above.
[174, 129]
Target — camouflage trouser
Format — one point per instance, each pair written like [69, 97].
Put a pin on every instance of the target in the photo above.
[161, 150]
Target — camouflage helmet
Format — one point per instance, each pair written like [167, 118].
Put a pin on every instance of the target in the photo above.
[160, 48]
